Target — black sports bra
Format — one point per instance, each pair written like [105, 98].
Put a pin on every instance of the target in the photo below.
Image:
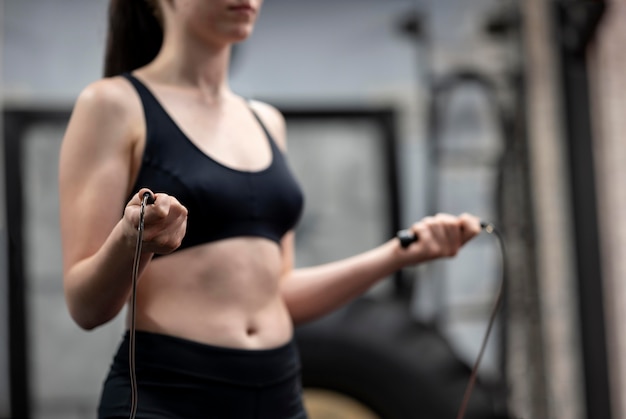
[222, 202]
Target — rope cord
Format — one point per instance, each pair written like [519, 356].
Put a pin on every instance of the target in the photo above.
[133, 305]
[491, 229]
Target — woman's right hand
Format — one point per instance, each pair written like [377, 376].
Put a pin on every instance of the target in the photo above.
[165, 222]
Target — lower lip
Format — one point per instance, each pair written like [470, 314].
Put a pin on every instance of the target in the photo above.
[243, 11]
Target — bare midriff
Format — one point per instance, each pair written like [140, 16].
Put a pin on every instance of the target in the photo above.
[224, 293]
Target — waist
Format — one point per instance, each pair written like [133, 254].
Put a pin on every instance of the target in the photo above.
[175, 355]
[241, 271]
[228, 295]
[234, 327]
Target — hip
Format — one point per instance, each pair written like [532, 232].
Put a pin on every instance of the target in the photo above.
[180, 378]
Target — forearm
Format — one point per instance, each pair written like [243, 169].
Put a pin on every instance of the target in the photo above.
[313, 292]
[97, 287]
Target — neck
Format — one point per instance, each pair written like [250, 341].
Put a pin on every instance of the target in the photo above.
[187, 61]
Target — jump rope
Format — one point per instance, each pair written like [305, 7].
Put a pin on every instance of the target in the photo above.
[406, 237]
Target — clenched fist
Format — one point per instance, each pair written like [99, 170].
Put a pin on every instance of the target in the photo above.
[165, 222]
[440, 236]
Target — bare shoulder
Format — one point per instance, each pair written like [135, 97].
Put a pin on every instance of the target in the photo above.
[273, 120]
[112, 96]
[103, 130]
[106, 112]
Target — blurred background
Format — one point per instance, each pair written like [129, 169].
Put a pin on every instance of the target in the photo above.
[396, 109]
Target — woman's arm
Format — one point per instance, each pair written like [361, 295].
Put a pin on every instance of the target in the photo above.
[96, 161]
[313, 292]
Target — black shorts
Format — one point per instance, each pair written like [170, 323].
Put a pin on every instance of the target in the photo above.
[183, 379]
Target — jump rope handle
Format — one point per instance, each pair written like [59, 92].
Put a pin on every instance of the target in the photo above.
[148, 198]
[407, 237]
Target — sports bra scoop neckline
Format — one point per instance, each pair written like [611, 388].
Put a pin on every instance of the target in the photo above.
[192, 143]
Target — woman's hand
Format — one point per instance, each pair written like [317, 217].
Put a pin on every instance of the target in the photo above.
[165, 222]
[440, 236]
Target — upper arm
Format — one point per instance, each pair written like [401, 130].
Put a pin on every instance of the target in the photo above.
[95, 163]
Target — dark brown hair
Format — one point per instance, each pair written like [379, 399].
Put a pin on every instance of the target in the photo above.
[134, 36]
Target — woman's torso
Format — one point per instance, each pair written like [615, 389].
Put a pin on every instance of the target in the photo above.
[223, 286]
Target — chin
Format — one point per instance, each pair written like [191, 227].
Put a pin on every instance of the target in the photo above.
[240, 33]
[240, 37]
[235, 38]
[225, 34]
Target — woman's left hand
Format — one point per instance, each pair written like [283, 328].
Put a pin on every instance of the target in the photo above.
[441, 235]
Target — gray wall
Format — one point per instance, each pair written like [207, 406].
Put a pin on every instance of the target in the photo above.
[51, 49]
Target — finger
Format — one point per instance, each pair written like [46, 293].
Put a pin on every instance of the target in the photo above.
[449, 236]
[470, 226]
[138, 197]
[159, 210]
[439, 241]
[452, 229]
[176, 206]
[438, 230]
[169, 232]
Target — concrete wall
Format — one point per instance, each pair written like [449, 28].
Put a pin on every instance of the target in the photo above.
[607, 62]
[557, 317]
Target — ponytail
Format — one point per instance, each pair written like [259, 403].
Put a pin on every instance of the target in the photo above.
[134, 36]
